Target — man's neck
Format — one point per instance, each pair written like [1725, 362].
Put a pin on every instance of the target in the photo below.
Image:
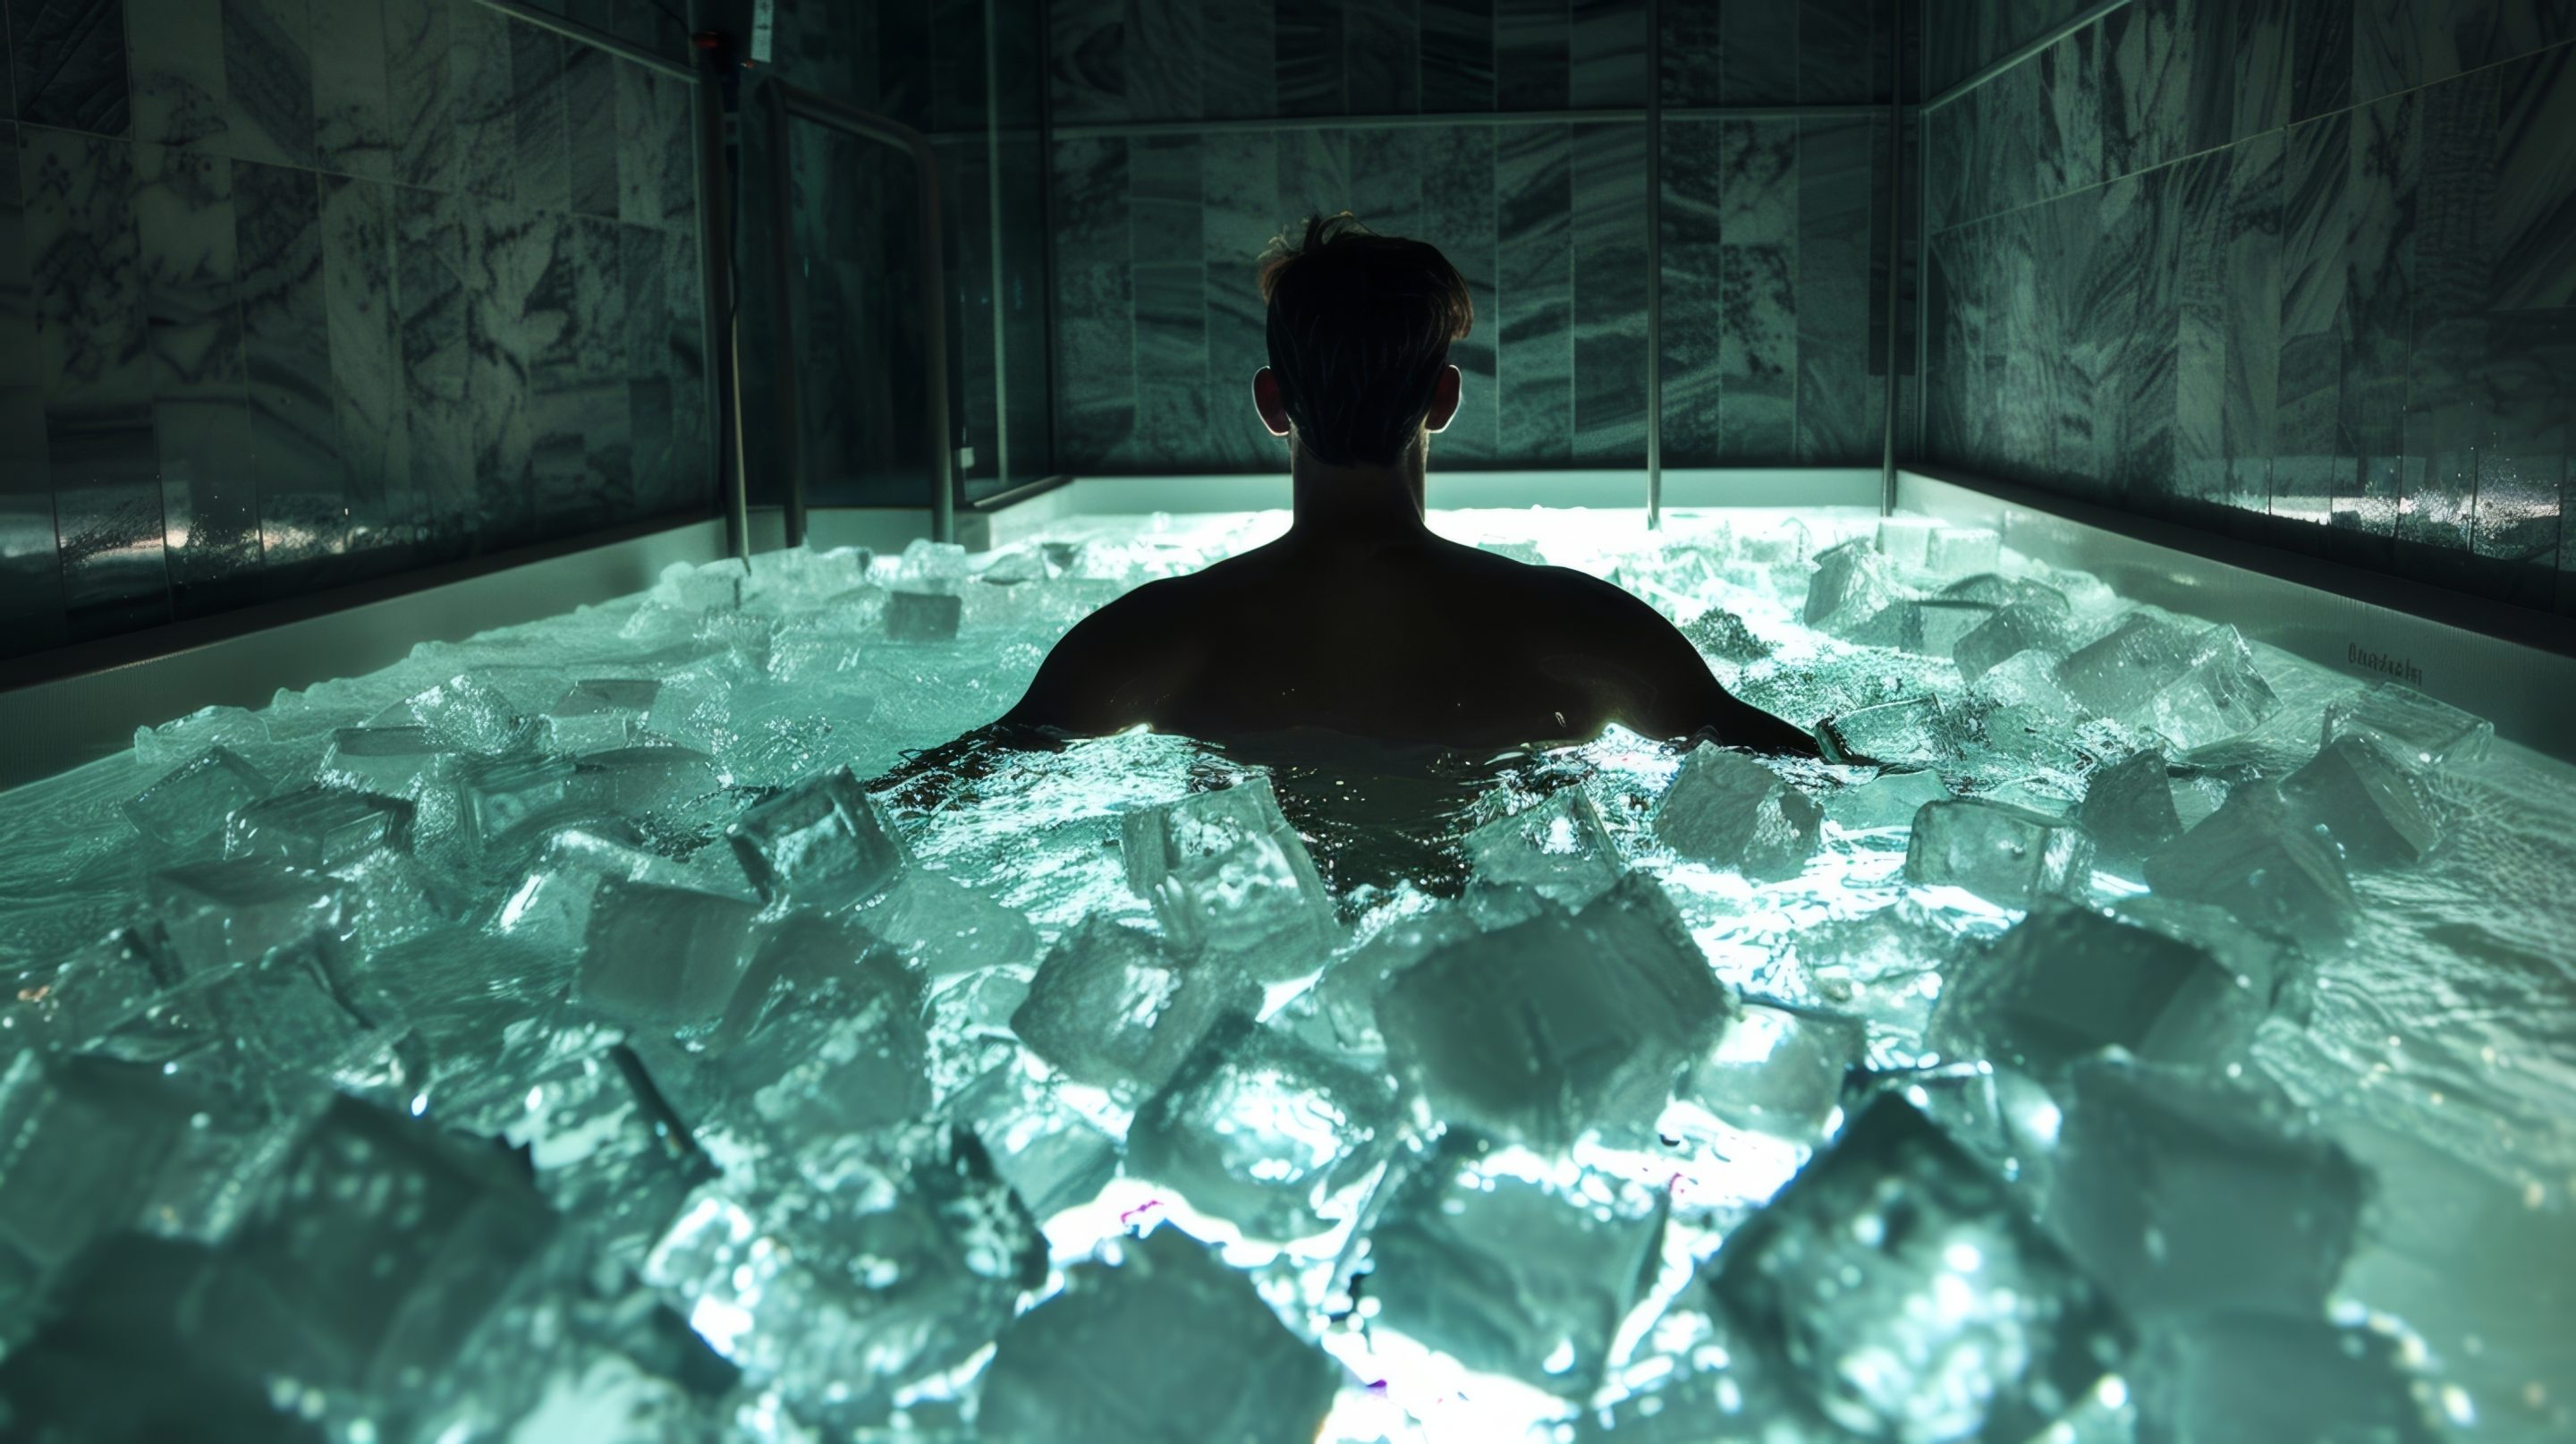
[1357, 503]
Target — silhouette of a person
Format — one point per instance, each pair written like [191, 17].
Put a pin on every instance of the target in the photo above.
[1361, 622]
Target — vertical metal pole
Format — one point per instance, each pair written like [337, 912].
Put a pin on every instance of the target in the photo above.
[782, 268]
[934, 302]
[1046, 228]
[1654, 265]
[1895, 247]
[993, 253]
[723, 311]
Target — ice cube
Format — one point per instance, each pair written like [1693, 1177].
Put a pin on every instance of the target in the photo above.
[1895, 1282]
[945, 928]
[383, 760]
[1501, 1032]
[508, 803]
[1156, 842]
[1513, 1264]
[824, 1032]
[1905, 540]
[1226, 874]
[933, 563]
[376, 1249]
[2069, 980]
[1956, 549]
[1519, 551]
[1721, 633]
[2420, 730]
[2189, 1196]
[663, 955]
[2255, 1379]
[2128, 808]
[1997, 590]
[2008, 633]
[1934, 627]
[1906, 731]
[2119, 673]
[1725, 809]
[64, 1005]
[319, 827]
[1168, 1347]
[462, 712]
[1561, 848]
[86, 1139]
[923, 616]
[675, 786]
[696, 588]
[605, 1145]
[1264, 1132]
[1884, 965]
[2221, 696]
[191, 804]
[841, 1294]
[595, 716]
[2255, 859]
[2026, 684]
[185, 738]
[220, 913]
[2007, 855]
[1112, 1007]
[1888, 800]
[1852, 585]
[2368, 800]
[551, 904]
[1053, 1157]
[822, 843]
[1777, 1071]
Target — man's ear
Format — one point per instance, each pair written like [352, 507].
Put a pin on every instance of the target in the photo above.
[1444, 400]
[1265, 399]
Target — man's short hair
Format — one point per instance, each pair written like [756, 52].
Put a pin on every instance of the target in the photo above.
[1360, 326]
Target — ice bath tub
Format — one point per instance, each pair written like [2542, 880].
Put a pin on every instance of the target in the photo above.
[589, 1057]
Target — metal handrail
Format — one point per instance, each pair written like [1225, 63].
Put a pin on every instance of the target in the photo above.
[788, 100]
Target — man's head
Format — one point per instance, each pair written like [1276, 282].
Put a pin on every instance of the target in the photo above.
[1360, 326]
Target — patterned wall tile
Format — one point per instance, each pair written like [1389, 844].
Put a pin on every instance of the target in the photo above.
[2251, 312]
[352, 90]
[2447, 352]
[187, 235]
[1239, 77]
[1457, 56]
[1758, 55]
[1840, 399]
[1694, 328]
[1606, 51]
[1238, 216]
[430, 306]
[1609, 163]
[421, 100]
[1692, 52]
[1165, 39]
[1095, 298]
[1164, 182]
[486, 107]
[541, 169]
[1311, 40]
[1458, 216]
[67, 64]
[1757, 289]
[2321, 56]
[1087, 52]
[268, 82]
[1838, 53]
[590, 92]
[1531, 58]
[1534, 264]
[1382, 57]
[176, 57]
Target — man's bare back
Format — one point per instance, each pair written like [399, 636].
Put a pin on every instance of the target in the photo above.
[1408, 639]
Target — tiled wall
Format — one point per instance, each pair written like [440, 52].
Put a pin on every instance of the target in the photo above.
[2297, 269]
[854, 282]
[298, 291]
[1771, 234]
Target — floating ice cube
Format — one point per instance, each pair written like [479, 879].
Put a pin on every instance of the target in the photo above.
[186, 738]
[1264, 1132]
[1721, 633]
[1725, 809]
[605, 1145]
[1513, 1264]
[1111, 1006]
[1905, 540]
[2255, 859]
[508, 803]
[945, 928]
[2420, 730]
[2187, 1195]
[2219, 697]
[923, 616]
[934, 563]
[86, 1139]
[824, 1032]
[1168, 1347]
[2007, 633]
[696, 588]
[1884, 965]
[1548, 1028]
[663, 955]
[1888, 800]
[2069, 980]
[822, 843]
[1852, 585]
[1906, 731]
[675, 785]
[841, 1296]
[1561, 848]
[2008, 855]
[1156, 842]
[319, 827]
[1899, 1287]
[388, 761]
[462, 712]
[595, 716]
[2368, 800]
[376, 1249]
[1935, 626]
[551, 904]
[1955, 549]
[1053, 1157]
[1226, 874]
[219, 913]
[63, 1006]
[2119, 673]
[192, 804]
[2253, 1379]
[1777, 1071]
[2026, 683]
